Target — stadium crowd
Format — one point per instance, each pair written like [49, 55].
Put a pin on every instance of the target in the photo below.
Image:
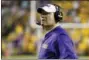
[18, 37]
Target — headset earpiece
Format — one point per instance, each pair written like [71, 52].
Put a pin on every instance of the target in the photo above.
[58, 14]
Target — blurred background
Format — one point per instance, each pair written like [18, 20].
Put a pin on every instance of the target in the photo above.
[20, 34]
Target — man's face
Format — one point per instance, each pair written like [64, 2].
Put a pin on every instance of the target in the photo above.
[47, 19]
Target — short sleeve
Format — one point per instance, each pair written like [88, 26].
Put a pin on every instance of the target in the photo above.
[66, 47]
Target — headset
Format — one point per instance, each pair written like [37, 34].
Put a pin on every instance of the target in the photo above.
[58, 15]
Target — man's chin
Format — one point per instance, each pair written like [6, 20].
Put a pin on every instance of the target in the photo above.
[45, 25]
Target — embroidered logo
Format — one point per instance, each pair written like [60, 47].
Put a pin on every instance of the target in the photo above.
[44, 46]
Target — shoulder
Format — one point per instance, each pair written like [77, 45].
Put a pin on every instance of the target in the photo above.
[61, 34]
[59, 30]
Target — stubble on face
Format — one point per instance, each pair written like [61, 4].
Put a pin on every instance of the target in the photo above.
[48, 21]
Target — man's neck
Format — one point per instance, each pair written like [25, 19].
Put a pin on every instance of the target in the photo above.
[49, 28]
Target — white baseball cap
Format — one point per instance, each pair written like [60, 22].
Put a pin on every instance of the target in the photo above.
[47, 8]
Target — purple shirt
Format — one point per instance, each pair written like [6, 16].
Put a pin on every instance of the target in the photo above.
[57, 45]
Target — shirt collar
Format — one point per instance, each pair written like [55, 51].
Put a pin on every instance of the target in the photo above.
[52, 28]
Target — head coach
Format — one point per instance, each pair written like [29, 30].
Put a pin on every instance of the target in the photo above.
[56, 43]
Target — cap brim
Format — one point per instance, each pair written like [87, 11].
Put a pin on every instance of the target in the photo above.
[42, 11]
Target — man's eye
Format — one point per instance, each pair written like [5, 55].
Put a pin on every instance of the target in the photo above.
[41, 18]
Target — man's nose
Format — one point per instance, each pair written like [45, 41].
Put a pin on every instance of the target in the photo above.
[43, 18]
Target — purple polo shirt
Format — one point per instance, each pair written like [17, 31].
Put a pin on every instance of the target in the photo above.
[57, 45]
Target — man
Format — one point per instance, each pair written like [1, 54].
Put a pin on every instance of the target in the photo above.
[56, 43]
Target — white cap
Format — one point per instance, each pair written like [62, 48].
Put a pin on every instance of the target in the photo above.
[48, 8]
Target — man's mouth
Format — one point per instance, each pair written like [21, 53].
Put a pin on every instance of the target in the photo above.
[43, 20]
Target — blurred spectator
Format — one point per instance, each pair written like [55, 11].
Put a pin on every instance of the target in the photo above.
[15, 18]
